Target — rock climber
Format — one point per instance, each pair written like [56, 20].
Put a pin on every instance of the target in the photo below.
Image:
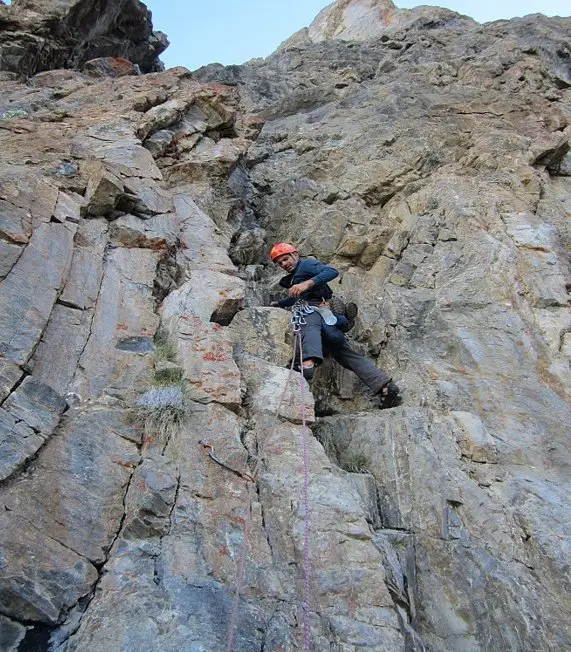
[323, 331]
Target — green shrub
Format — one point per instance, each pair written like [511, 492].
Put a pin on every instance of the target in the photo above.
[162, 409]
[167, 377]
[165, 348]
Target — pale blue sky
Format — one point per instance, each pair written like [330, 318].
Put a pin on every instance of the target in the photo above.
[233, 31]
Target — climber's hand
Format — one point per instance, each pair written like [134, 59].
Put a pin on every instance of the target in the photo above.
[274, 304]
[300, 288]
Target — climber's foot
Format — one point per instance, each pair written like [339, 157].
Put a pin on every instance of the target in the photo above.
[351, 312]
[389, 396]
[308, 369]
[337, 305]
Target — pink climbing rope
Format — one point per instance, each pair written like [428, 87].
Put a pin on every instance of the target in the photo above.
[239, 576]
[306, 521]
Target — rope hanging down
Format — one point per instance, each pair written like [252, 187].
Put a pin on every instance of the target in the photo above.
[306, 523]
[299, 311]
[241, 563]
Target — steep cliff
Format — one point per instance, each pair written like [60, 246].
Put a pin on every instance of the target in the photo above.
[430, 164]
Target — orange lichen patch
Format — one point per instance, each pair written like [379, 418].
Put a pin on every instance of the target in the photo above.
[219, 353]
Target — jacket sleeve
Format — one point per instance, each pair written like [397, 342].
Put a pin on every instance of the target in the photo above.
[322, 273]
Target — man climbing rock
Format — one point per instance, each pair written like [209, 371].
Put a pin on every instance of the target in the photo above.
[321, 330]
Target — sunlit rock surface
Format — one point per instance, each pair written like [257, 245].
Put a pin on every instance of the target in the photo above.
[360, 20]
[425, 156]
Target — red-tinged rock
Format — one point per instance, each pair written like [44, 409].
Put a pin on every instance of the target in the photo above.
[110, 67]
[206, 357]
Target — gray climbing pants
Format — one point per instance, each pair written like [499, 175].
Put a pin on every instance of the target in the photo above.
[317, 338]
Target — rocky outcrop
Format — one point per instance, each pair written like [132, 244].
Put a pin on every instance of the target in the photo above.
[431, 166]
[361, 20]
[37, 35]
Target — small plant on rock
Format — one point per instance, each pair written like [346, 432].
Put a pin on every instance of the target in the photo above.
[357, 463]
[165, 349]
[167, 371]
[162, 409]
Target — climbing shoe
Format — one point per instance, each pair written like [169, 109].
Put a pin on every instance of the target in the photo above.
[308, 372]
[389, 396]
[351, 312]
[337, 305]
[347, 310]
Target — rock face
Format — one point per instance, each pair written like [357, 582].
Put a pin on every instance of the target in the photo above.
[37, 35]
[361, 20]
[426, 157]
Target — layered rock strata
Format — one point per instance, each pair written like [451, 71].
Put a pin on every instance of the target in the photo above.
[431, 166]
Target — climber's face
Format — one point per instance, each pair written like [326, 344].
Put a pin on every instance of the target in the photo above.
[288, 262]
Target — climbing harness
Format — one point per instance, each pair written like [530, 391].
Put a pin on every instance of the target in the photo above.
[210, 452]
[299, 311]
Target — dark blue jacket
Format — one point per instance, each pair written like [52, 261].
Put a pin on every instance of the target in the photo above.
[307, 269]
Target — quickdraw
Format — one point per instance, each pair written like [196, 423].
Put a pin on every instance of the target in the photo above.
[210, 452]
[298, 312]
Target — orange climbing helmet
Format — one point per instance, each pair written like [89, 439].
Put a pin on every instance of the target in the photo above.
[280, 249]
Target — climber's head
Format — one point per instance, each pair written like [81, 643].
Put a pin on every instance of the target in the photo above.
[285, 255]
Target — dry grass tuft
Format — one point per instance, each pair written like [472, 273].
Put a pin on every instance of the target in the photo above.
[162, 411]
